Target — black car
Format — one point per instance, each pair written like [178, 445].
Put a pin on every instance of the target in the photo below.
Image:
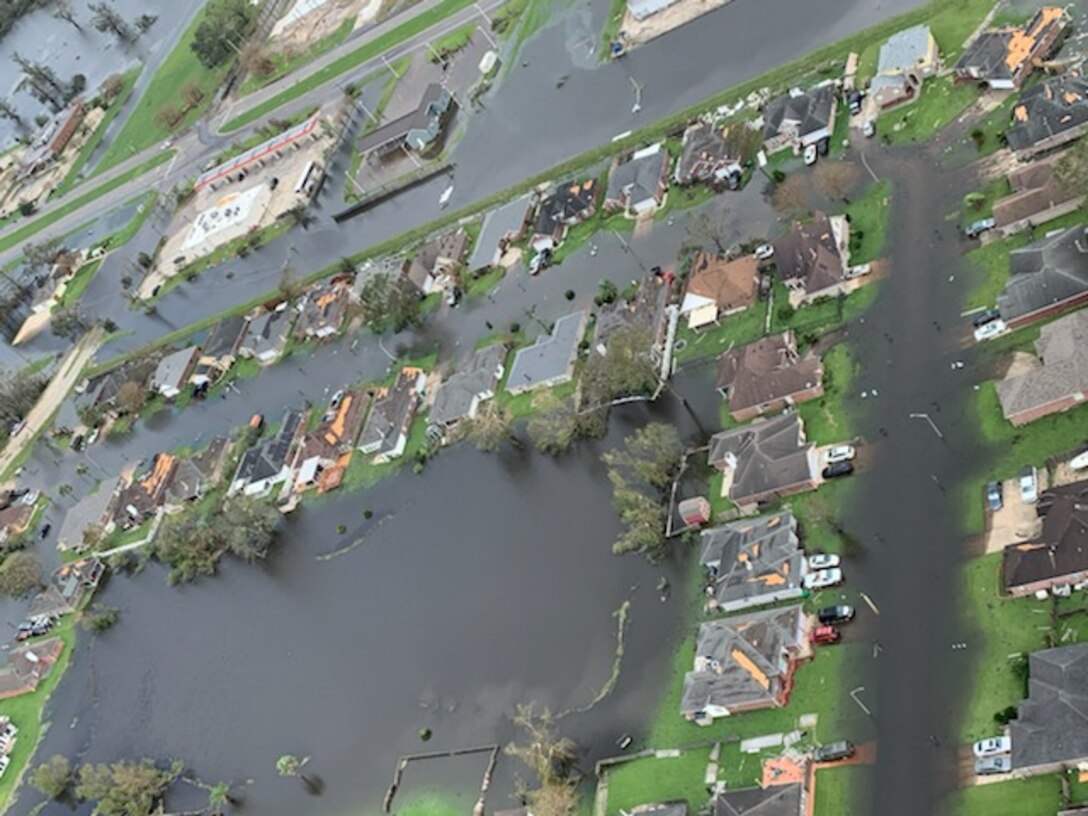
[835, 614]
[834, 751]
[984, 317]
[838, 469]
[45, 529]
[854, 101]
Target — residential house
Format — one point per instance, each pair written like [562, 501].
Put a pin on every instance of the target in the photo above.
[1002, 58]
[145, 494]
[322, 311]
[800, 118]
[1058, 557]
[74, 581]
[1046, 278]
[718, 287]
[15, 514]
[48, 603]
[1049, 115]
[27, 665]
[712, 155]
[1060, 382]
[550, 360]
[172, 373]
[647, 312]
[744, 663]
[1050, 731]
[266, 464]
[768, 376]
[475, 380]
[436, 263]
[219, 350]
[418, 130]
[93, 511]
[906, 59]
[385, 434]
[325, 451]
[195, 474]
[99, 395]
[773, 800]
[766, 460]
[52, 139]
[568, 205]
[269, 332]
[501, 227]
[813, 257]
[637, 186]
[753, 562]
[1036, 197]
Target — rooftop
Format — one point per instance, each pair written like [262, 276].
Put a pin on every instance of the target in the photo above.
[1063, 349]
[809, 253]
[477, 377]
[765, 456]
[1057, 105]
[551, 358]
[1051, 270]
[732, 284]
[636, 180]
[752, 558]
[800, 114]
[766, 371]
[1061, 550]
[904, 50]
[1052, 723]
[1034, 191]
[777, 800]
[393, 411]
[567, 204]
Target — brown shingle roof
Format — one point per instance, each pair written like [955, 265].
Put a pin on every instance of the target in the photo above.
[731, 284]
[767, 370]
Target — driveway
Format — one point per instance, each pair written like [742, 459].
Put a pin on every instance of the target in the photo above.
[1015, 521]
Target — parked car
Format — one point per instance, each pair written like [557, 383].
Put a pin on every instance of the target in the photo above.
[974, 230]
[823, 147]
[839, 453]
[336, 399]
[988, 331]
[835, 614]
[5, 760]
[994, 502]
[868, 128]
[825, 635]
[993, 765]
[985, 316]
[822, 579]
[1029, 485]
[993, 746]
[834, 751]
[809, 155]
[821, 561]
[838, 469]
[854, 101]
[764, 252]
[1080, 461]
[44, 533]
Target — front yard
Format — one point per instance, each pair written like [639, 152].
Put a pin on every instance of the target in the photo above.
[868, 217]
[1038, 796]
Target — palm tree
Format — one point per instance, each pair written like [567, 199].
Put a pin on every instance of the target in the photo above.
[290, 765]
[219, 797]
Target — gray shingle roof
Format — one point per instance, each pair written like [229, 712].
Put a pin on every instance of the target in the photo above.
[810, 254]
[268, 332]
[391, 414]
[636, 180]
[267, 458]
[174, 368]
[808, 112]
[776, 800]
[766, 456]
[1063, 347]
[1045, 273]
[767, 370]
[551, 358]
[224, 337]
[1054, 106]
[478, 375]
[751, 559]
[506, 220]
[985, 57]
[88, 511]
[1052, 723]
[904, 50]
[1061, 550]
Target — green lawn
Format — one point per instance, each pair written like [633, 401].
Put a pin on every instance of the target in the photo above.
[953, 24]
[839, 790]
[178, 70]
[286, 63]
[825, 419]
[616, 12]
[34, 227]
[986, 134]
[128, 81]
[1038, 796]
[642, 781]
[479, 286]
[79, 283]
[868, 217]
[1008, 627]
[939, 103]
[449, 44]
[374, 48]
[734, 330]
[362, 472]
[822, 315]
[980, 203]
[26, 710]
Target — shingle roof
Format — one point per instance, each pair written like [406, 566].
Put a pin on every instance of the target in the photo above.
[809, 253]
[767, 370]
[1045, 273]
[776, 800]
[269, 331]
[551, 357]
[1035, 190]
[752, 558]
[645, 312]
[636, 180]
[1061, 550]
[904, 50]
[808, 112]
[1052, 723]
[768, 455]
[477, 375]
[392, 413]
[267, 458]
[224, 337]
[1002, 53]
[507, 219]
[566, 205]
[194, 473]
[90, 510]
[732, 284]
[743, 661]
[1063, 348]
[174, 368]
[705, 149]
[1054, 106]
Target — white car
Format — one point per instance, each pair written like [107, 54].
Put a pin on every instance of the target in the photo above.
[822, 561]
[1029, 485]
[993, 746]
[839, 453]
[5, 760]
[821, 579]
[1080, 461]
[868, 128]
[810, 155]
[764, 252]
[988, 331]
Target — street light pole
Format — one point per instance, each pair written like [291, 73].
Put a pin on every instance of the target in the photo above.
[638, 95]
[932, 424]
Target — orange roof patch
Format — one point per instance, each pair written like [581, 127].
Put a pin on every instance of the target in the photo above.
[746, 663]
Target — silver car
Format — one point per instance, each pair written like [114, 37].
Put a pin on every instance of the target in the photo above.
[989, 766]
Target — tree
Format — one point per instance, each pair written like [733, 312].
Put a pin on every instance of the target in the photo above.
[554, 425]
[290, 765]
[8, 111]
[710, 227]
[145, 21]
[53, 777]
[63, 11]
[1071, 171]
[131, 397]
[20, 573]
[290, 286]
[652, 453]
[99, 617]
[255, 59]
[835, 178]
[555, 799]
[112, 86]
[249, 525]
[606, 293]
[389, 301]
[492, 425]
[547, 755]
[76, 86]
[42, 79]
[627, 368]
[40, 254]
[223, 32]
[105, 18]
[19, 391]
[299, 216]
[168, 116]
[192, 93]
[219, 796]
[125, 788]
[792, 194]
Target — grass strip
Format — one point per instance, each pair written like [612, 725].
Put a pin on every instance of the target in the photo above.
[286, 62]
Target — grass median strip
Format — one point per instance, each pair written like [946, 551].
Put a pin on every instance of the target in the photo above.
[38, 224]
[374, 48]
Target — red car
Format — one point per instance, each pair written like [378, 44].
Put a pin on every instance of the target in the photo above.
[826, 634]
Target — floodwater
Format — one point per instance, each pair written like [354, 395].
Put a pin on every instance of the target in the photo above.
[466, 595]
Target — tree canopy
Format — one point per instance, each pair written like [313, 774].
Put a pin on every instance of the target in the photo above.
[389, 302]
[223, 31]
[125, 788]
